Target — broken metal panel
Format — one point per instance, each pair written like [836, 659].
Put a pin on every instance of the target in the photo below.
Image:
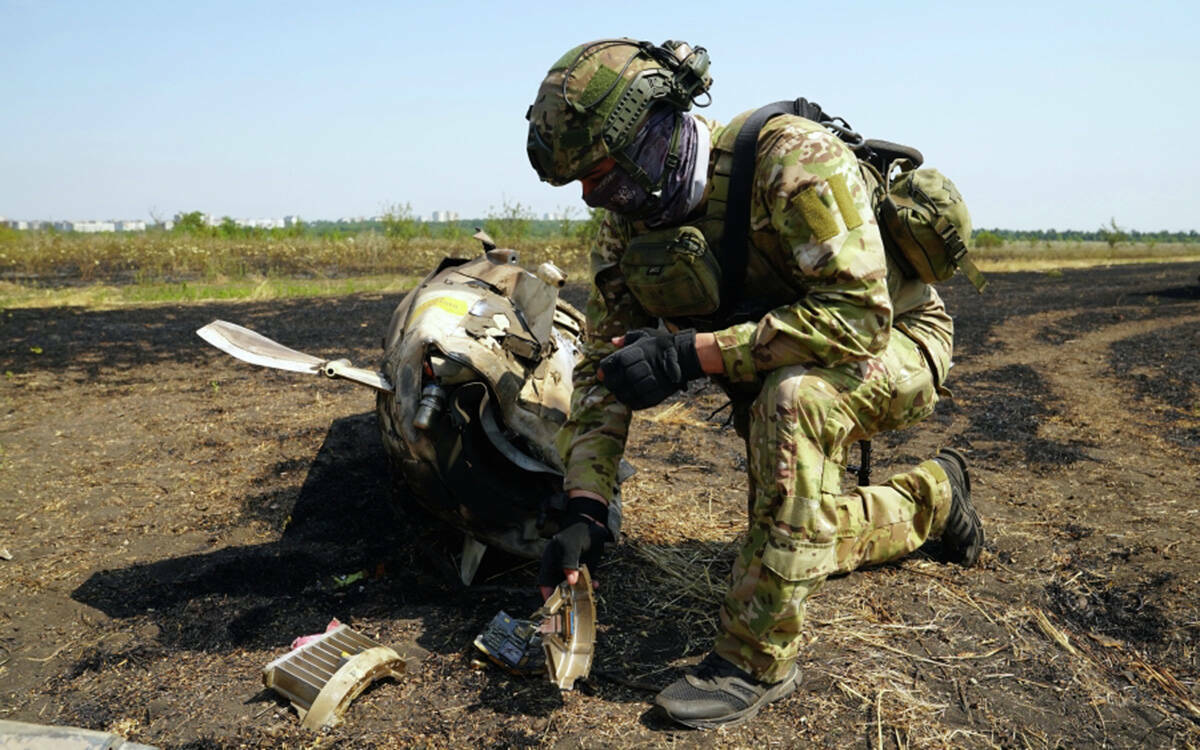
[569, 632]
[564, 627]
[534, 299]
[322, 677]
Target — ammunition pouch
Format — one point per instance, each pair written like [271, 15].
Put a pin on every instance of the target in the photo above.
[673, 273]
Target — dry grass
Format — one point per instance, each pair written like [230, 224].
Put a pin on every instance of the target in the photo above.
[51, 259]
[1036, 256]
[903, 672]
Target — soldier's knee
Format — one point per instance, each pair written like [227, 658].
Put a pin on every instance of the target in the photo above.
[796, 398]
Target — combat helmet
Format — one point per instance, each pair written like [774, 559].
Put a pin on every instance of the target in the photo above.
[596, 97]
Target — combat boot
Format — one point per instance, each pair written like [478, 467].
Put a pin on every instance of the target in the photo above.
[716, 693]
[962, 539]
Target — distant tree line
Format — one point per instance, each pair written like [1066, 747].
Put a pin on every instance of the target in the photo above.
[1104, 234]
[512, 222]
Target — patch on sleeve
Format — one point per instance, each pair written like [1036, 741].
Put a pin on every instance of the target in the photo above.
[820, 220]
[845, 203]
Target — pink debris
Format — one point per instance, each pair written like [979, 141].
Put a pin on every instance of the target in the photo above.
[306, 639]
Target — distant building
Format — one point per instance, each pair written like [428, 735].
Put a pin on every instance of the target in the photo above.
[260, 223]
[86, 227]
[443, 216]
[211, 221]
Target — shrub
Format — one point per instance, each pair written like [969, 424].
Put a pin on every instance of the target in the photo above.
[510, 225]
[399, 223]
[986, 239]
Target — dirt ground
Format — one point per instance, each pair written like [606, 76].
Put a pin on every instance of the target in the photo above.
[175, 518]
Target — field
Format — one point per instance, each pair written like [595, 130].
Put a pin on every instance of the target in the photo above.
[175, 518]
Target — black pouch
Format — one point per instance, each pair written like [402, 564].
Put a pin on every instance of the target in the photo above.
[673, 272]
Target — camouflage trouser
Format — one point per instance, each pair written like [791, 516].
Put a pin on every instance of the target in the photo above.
[802, 527]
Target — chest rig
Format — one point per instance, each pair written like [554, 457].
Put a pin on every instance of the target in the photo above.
[689, 274]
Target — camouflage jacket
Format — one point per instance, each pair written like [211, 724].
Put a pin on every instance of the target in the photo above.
[815, 254]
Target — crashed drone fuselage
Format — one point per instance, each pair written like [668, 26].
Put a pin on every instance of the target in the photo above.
[475, 382]
[481, 355]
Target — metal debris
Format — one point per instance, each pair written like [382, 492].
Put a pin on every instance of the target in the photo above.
[19, 735]
[569, 631]
[565, 628]
[512, 644]
[322, 677]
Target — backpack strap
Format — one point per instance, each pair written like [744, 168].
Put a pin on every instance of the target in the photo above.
[733, 251]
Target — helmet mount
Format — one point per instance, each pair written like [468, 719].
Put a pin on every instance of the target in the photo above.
[595, 98]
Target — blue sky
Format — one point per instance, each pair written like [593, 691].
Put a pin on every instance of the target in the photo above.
[1045, 114]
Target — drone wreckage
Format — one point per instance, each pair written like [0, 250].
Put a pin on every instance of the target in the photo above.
[475, 381]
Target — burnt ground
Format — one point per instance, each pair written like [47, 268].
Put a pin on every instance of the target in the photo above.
[175, 518]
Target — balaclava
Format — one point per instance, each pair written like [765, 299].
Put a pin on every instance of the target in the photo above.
[621, 194]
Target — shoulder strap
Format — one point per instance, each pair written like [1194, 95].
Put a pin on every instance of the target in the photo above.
[737, 209]
[733, 252]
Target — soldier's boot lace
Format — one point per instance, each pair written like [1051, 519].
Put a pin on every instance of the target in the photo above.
[717, 693]
[962, 539]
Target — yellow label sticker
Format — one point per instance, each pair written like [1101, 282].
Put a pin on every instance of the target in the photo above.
[451, 305]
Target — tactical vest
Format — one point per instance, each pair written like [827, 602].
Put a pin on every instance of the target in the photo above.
[694, 276]
[677, 273]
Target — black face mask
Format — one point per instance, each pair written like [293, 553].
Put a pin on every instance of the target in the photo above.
[617, 192]
[620, 193]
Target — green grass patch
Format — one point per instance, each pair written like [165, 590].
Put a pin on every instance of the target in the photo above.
[107, 295]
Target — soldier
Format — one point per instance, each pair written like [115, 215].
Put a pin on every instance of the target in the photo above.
[829, 345]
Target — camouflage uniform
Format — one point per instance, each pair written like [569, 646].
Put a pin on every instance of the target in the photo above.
[847, 348]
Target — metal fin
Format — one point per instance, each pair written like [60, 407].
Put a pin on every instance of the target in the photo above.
[472, 555]
[257, 349]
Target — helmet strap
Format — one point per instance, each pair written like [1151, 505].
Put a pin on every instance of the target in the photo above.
[654, 188]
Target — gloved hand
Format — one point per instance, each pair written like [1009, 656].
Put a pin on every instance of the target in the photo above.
[580, 541]
[650, 366]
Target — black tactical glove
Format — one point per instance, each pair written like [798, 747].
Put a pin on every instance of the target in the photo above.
[581, 540]
[652, 365]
